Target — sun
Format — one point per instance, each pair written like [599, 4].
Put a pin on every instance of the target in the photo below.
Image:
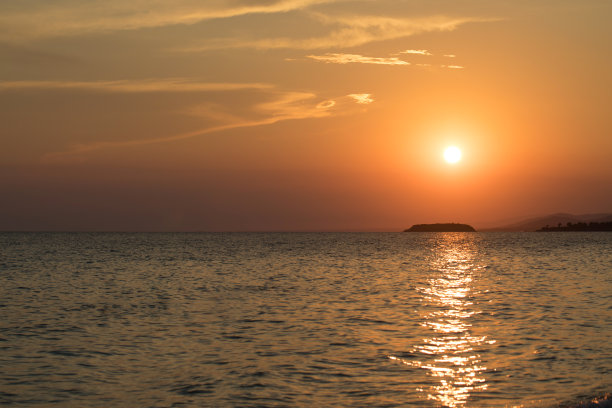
[452, 154]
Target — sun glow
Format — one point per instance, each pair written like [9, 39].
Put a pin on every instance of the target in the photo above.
[452, 154]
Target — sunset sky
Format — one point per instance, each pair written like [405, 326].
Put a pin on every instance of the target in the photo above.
[301, 115]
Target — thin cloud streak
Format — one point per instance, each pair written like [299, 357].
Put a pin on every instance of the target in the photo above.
[51, 19]
[350, 32]
[89, 147]
[339, 58]
[416, 52]
[131, 86]
[287, 106]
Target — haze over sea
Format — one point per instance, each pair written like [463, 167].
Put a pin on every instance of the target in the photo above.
[305, 319]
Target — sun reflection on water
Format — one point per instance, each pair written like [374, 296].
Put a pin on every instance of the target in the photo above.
[449, 353]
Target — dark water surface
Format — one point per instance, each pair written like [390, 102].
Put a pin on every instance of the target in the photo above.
[305, 320]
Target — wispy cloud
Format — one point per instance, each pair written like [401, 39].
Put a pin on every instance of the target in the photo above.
[39, 19]
[326, 104]
[131, 86]
[450, 55]
[12, 54]
[452, 66]
[346, 32]
[416, 52]
[362, 98]
[286, 106]
[295, 105]
[338, 58]
[277, 106]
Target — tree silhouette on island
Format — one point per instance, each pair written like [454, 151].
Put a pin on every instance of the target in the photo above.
[441, 227]
[579, 226]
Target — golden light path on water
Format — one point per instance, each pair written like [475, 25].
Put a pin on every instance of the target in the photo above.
[449, 353]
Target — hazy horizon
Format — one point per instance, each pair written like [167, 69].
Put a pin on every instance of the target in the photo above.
[479, 227]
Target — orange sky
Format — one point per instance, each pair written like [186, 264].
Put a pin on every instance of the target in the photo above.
[301, 114]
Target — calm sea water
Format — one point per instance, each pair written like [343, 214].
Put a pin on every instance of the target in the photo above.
[305, 320]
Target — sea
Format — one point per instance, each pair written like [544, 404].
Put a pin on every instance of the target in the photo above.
[306, 319]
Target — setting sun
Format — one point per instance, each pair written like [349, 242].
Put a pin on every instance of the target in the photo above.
[452, 154]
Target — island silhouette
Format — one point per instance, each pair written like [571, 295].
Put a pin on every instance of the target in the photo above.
[441, 227]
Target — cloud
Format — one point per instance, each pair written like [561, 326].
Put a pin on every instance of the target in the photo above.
[363, 98]
[450, 55]
[271, 106]
[452, 66]
[326, 104]
[261, 104]
[40, 19]
[346, 32]
[295, 105]
[417, 52]
[14, 54]
[131, 86]
[355, 58]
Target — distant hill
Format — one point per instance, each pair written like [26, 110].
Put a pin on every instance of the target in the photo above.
[552, 220]
[448, 227]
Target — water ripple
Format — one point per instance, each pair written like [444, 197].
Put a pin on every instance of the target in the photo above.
[301, 320]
